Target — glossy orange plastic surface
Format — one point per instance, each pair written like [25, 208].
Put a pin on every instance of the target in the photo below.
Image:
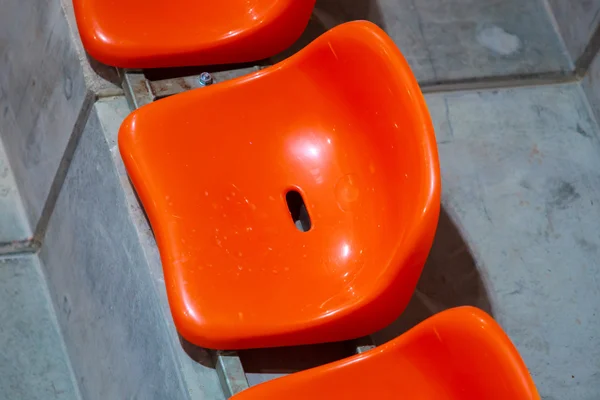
[459, 354]
[343, 123]
[155, 33]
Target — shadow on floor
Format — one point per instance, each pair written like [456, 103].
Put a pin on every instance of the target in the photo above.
[104, 71]
[450, 278]
[326, 15]
[335, 12]
[265, 364]
[199, 354]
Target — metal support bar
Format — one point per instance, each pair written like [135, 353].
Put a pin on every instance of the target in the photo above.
[140, 90]
[137, 89]
[168, 87]
[231, 372]
[364, 344]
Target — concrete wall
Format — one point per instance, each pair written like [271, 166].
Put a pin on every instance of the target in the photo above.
[42, 96]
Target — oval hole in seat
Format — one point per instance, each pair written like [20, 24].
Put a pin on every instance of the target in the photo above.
[298, 210]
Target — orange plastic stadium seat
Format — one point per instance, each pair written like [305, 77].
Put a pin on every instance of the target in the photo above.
[156, 33]
[459, 354]
[293, 205]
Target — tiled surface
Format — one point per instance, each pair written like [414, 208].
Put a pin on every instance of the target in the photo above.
[42, 91]
[577, 20]
[13, 222]
[460, 39]
[518, 236]
[108, 288]
[33, 361]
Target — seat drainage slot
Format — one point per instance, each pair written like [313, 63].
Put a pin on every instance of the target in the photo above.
[298, 210]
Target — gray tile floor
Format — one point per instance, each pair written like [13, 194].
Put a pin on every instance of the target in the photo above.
[33, 361]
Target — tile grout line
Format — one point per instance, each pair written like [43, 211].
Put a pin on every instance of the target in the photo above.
[554, 22]
[499, 82]
[590, 51]
[588, 107]
[17, 247]
[31, 246]
[61, 173]
[15, 256]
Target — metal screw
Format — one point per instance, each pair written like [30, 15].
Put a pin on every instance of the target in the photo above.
[206, 79]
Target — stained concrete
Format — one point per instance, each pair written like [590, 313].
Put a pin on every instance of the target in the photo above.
[33, 361]
[14, 228]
